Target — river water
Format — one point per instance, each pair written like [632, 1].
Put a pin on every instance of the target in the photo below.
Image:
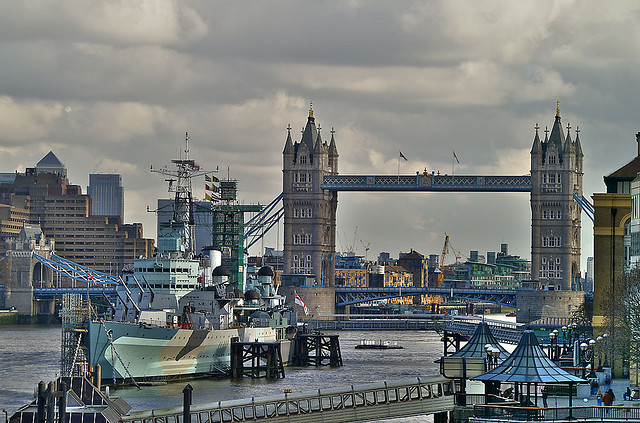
[29, 354]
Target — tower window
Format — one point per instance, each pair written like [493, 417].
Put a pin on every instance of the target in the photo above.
[303, 159]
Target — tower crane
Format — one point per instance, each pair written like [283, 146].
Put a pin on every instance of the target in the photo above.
[445, 251]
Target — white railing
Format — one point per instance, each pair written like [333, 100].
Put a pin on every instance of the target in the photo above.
[408, 397]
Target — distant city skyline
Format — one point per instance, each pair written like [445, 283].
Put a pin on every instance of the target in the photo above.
[112, 88]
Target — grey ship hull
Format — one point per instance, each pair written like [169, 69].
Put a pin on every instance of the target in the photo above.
[149, 353]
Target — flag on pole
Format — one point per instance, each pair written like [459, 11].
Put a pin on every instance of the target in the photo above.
[402, 156]
[207, 178]
[301, 303]
[456, 157]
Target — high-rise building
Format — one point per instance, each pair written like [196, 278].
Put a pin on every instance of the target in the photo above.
[107, 195]
[309, 211]
[556, 176]
[64, 214]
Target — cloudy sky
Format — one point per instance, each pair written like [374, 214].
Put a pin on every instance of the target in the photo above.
[112, 86]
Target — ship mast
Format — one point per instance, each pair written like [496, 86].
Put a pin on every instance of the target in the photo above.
[179, 180]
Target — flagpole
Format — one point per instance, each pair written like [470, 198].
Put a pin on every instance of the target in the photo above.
[398, 169]
[453, 165]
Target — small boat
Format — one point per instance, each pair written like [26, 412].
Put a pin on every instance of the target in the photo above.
[382, 345]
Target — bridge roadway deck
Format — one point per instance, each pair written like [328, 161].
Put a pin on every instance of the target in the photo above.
[346, 295]
[355, 403]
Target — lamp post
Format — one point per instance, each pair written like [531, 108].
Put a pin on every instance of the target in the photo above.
[564, 340]
[592, 351]
[599, 339]
[552, 346]
[583, 358]
[606, 347]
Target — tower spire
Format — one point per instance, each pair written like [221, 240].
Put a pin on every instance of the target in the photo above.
[311, 109]
[558, 108]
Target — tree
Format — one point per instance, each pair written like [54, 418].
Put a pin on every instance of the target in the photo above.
[622, 321]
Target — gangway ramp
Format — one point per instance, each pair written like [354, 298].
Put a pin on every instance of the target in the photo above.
[506, 332]
[355, 403]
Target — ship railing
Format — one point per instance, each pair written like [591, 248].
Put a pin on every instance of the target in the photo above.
[415, 396]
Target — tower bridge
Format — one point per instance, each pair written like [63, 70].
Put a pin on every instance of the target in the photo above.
[311, 183]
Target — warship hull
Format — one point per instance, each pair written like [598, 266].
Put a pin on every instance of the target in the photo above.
[150, 353]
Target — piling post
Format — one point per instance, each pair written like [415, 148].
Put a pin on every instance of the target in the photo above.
[62, 403]
[335, 357]
[51, 402]
[97, 376]
[186, 404]
[42, 399]
[236, 360]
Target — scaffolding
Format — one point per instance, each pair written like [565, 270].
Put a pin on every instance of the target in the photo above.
[75, 318]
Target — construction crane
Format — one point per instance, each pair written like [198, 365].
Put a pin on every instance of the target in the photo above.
[366, 247]
[445, 251]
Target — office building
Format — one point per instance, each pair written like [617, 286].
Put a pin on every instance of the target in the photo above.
[107, 195]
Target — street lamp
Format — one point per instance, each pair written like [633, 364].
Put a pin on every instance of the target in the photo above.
[564, 340]
[606, 346]
[583, 358]
[599, 339]
[592, 350]
[552, 349]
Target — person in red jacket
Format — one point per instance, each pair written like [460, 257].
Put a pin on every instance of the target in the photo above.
[607, 399]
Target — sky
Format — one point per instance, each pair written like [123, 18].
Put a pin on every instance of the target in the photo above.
[112, 86]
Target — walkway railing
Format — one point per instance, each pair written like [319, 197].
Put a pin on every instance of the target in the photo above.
[502, 413]
[409, 397]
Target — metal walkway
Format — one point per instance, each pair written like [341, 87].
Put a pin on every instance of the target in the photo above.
[368, 402]
[427, 182]
[350, 295]
[506, 332]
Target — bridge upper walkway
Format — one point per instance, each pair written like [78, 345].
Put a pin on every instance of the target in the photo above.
[372, 401]
[427, 182]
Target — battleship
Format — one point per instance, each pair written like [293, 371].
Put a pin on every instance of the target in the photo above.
[177, 313]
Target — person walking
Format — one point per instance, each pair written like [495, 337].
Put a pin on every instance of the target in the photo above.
[545, 395]
[599, 397]
[607, 398]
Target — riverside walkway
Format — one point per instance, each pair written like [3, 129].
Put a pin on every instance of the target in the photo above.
[366, 402]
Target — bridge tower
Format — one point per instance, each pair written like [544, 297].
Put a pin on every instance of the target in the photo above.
[556, 175]
[21, 272]
[309, 211]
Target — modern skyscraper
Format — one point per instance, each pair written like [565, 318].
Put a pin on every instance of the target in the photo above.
[107, 195]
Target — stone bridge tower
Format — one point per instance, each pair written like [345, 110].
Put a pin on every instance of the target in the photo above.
[309, 211]
[21, 272]
[556, 175]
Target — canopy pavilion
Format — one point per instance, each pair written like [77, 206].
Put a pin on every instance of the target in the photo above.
[529, 365]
